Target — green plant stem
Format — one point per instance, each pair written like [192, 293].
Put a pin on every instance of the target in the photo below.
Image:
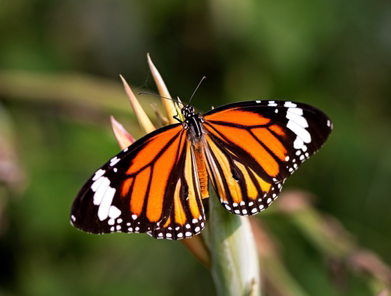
[235, 264]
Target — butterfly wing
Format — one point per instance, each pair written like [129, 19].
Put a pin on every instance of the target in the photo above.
[252, 147]
[151, 187]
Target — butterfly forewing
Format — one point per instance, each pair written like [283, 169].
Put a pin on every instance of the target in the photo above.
[252, 147]
[133, 191]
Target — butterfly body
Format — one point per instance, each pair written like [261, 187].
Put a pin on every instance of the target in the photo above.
[157, 184]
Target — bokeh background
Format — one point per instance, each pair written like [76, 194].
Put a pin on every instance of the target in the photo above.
[59, 67]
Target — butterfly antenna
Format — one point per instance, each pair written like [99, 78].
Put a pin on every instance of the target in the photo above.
[155, 95]
[199, 83]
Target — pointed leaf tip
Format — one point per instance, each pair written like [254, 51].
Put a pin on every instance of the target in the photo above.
[169, 105]
[142, 117]
[124, 139]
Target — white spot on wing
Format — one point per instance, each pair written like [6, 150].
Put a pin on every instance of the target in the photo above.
[297, 111]
[272, 104]
[100, 189]
[299, 131]
[98, 174]
[298, 143]
[104, 206]
[114, 160]
[290, 104]
[96, 184]
[300, 120]
[114, 213]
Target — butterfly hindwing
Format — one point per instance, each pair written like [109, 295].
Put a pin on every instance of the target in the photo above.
[252, 147]
[187, 216]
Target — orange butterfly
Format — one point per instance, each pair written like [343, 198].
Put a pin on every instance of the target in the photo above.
[157, 184]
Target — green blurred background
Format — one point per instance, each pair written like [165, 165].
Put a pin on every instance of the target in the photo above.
[59, 67]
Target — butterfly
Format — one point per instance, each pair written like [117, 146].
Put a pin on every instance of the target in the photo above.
[157, 184]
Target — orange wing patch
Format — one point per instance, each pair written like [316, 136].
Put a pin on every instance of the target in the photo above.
[237, 116]
[224, 164]
[126, 186]
[277, 129]
[180, 216]
[152, 149]
[139, 191]
[252, 191]
[194, 189]
[160, 180]
[265, 186]
[269, 140]
[243, 139]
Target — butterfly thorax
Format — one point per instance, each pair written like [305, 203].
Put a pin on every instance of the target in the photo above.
[192, 122]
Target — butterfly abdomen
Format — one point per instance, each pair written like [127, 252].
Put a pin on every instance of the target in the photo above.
[201, 169]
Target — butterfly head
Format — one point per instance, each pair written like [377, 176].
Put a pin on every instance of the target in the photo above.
[188, 111]
[192, 121]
